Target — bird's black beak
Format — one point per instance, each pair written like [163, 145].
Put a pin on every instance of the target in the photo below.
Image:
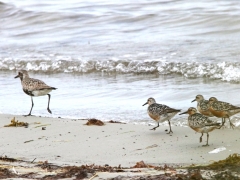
[184, 113]
[144, 104]
[193, 100]
[17, 76]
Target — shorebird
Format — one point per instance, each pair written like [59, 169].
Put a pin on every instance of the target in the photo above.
[223, 110]
[203, 106]
[34, 87]
[160, 112]
[200, 123]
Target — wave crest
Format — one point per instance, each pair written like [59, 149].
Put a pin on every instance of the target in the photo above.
[226, 71]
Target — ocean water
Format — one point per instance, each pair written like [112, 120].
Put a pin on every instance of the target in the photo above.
[106, 58]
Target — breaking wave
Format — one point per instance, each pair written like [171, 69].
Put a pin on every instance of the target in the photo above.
[225, 71]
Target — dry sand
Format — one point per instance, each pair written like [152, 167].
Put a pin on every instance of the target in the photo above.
[70, 142]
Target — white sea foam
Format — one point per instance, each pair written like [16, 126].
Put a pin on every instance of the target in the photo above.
[225, 71]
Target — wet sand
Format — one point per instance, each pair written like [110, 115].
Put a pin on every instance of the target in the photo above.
[71, 142]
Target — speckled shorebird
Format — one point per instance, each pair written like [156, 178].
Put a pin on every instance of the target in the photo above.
[223, 110]
[203, 106]
[34, 87]
[200, 123]
[160, 112]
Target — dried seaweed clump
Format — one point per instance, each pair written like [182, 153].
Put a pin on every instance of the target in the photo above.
[232, 162]
[141, 164]
[5, 158]
[95, 122]
[15, 123]
[227, 169]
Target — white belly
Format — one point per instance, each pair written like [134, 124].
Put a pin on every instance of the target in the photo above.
[41, 92]
[167, 116]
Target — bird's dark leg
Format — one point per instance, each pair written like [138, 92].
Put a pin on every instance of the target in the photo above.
[29, 114]
[231, 124]
[201, 138]
[223, 121]
[207, 140]
[170, 128]
[49, 96]
[155, 127]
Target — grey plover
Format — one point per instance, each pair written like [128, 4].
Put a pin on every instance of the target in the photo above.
[203, 106]
[200, 123]
[223, 110]
[160, 112]
[34, 88]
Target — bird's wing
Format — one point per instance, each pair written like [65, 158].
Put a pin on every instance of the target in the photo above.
[199, 120]
[34, 84]
[221, 106]
[204, 105]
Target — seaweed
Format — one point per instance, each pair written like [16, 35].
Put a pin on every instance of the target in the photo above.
[141, 164]
[227, 169]
[220, 170]
[94, 122]
[15, 123]
[5, 158]
[232, 162]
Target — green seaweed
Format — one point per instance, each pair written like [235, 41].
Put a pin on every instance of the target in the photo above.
[232, 162]
[227, 169]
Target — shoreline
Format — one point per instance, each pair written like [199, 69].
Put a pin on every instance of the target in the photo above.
[69, 142]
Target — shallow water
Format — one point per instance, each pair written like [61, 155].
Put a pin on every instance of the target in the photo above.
[106, 58]
[112, 97]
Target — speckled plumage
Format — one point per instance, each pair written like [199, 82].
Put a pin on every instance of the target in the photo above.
[34, 87]
[203, 106]
[223, 110]
[160, 112]
[200, 123]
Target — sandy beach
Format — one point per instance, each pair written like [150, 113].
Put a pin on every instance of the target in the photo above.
[71, 142]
